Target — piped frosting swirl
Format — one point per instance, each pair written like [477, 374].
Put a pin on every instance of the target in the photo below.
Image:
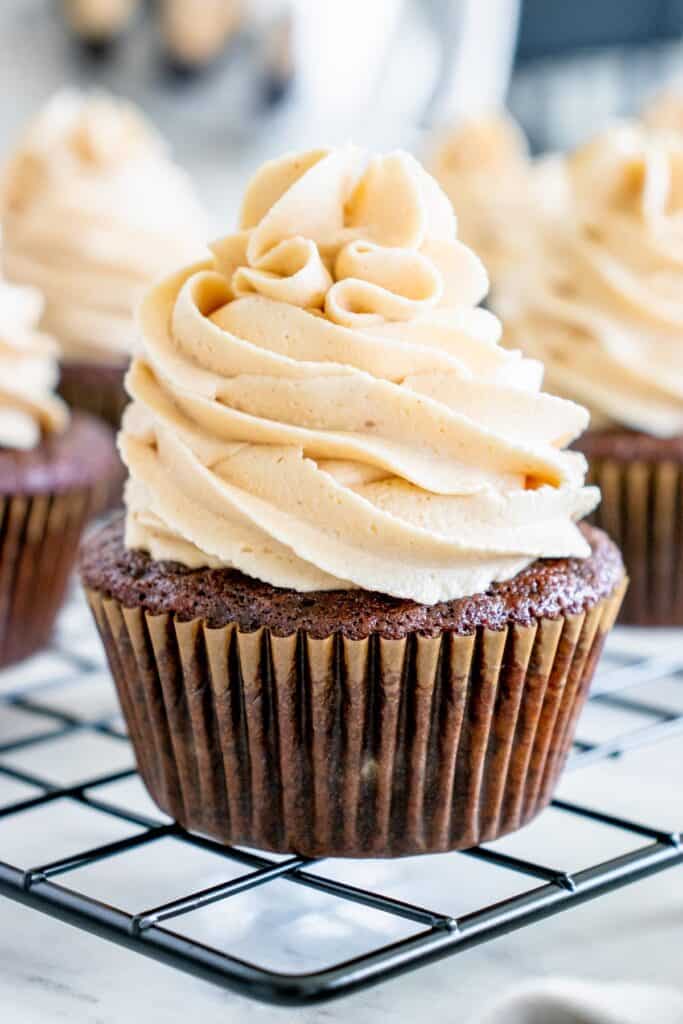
[93, 212]
[484, 166]
[29, 408]
[605, 313]
[322, 405]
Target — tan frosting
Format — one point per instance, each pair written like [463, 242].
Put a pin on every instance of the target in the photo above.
[322, 405]
[97, 19]
[28, 372]
[196, 31]
[483, 165]
[606, 313]
[665, 112]
[94, 211]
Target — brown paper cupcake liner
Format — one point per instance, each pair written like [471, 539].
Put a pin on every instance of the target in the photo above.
[359, 748]
[39, 538]
[642, 510]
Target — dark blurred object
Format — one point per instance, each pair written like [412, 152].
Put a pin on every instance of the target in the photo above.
[99, 24]
[554, 26]
[195, 34]
[278, 60]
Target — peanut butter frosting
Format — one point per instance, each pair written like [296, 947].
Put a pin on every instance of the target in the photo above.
[484, 166]
[323, 405]
[99, 19]
[665, 112]
[28, 372]
[605, 314]
[93, 212]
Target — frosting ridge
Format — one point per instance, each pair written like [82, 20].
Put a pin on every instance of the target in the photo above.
[28, 372]
[605, 314]
[324, 405]
[93, 212]
[484, 165]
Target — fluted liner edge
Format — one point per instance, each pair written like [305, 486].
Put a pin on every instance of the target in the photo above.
[351, 747]
[642, 511]
[39, 538]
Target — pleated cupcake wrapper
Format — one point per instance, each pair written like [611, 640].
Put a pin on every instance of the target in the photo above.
[39, 538]
[642, 511]
[351, 747]
[97, 390]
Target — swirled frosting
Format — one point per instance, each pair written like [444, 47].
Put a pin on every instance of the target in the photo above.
[483, 165]
[322, 405]
[606, 313]
[93, 212]
[28, 372]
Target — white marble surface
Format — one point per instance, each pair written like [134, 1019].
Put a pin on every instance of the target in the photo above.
[51, 972]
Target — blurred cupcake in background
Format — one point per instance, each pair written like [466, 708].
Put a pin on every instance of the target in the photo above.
[499, 193]
[665, 112]
[93, 211]
[197, 32]
[99, 23]
[605, 315]
[53, 468]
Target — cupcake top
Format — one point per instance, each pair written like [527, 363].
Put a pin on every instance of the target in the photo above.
[29, 409]
[93, 211]
[605, 314]
[484, 166]
[323, 405]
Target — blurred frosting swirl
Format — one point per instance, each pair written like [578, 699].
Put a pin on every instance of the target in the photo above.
[484, 166]
[28, 372]
[93, 212]
[606, 313]
[324, 406]
[665, 112]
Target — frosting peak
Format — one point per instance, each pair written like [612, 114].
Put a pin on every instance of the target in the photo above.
[28, 372]
[606, 312]
[363, 249]
[93, 212]
[323, 405]
[484, 165]
[628, 174]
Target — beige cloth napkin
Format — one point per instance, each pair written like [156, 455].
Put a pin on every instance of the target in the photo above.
[569, 1001]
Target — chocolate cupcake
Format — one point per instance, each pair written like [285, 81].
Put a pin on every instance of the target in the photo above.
[53, 474]
[94, 211]
[351, 612]
[94, 388]
[605, 315]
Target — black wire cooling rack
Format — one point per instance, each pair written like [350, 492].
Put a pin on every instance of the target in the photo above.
[35, 695]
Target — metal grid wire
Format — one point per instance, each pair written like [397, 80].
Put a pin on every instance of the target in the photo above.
[74, 663]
